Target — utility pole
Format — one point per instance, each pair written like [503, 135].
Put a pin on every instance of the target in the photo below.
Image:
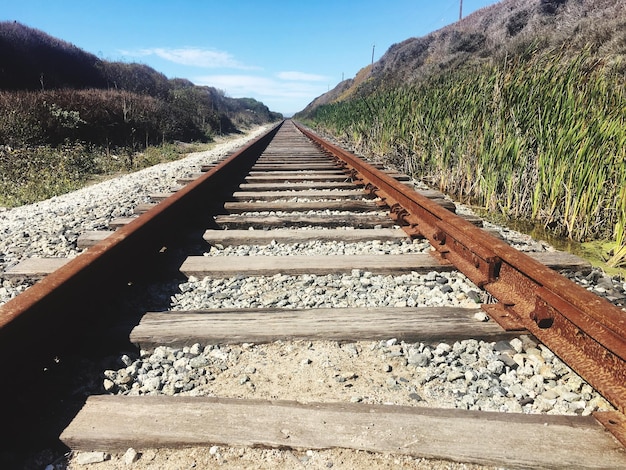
[373, 47]
[461, 11]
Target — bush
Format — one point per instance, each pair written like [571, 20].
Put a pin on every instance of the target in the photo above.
[517, 22]
[550, 7]
[466, 42]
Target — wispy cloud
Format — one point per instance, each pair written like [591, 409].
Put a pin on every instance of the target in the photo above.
[246, 85]
[193, 56]
[286, 91]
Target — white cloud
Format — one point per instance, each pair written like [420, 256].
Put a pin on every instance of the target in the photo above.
[279, 93]
[251, 85]
[193, 56]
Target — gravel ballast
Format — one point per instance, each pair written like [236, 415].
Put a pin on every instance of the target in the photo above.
[51, 228]
[507, 376]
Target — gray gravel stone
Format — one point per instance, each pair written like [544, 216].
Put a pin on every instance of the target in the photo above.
[522, 376]
[51, 228]
[471, 372]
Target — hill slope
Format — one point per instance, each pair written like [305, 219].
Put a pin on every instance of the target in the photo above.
[66, 116]
[520, 109]
[31, 60]
[509, 27]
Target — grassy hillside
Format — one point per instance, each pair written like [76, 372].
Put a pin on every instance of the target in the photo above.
[33, 61]
[519, 108]
[66, 115]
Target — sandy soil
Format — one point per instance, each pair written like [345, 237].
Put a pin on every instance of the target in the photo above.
[249, 458]
[320, 371]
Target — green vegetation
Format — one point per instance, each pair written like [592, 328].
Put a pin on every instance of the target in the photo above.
[519, 108]
[538, 136]
[118, 118]
[67, 116]
[29, 175]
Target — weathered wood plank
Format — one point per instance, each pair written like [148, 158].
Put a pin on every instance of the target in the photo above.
[561, 260]
[158, 197]
[272, 177]
[238, 207]
[446, 204]
[472, 219]
[431, 193]
[313, 194]
[398, 176]
[143, 207]
[301, 206]
[359, 220]
[293, 159]
[36, 268]
[228, 266]
[90, 238]
[293, 177]
[289, 206]
[293, 166]
[265, 237]
[229, 326]
[511, 440]
[211, 208]
[335, 172]
[297, 186]
[120, 222]
[219, 266]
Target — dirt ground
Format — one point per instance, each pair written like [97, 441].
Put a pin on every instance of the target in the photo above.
[250, 458]
[305, 371]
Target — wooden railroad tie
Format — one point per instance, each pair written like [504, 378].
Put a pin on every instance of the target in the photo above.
[515, 440]
[223, 266]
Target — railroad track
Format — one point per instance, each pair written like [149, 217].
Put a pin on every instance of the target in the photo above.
[289, 188]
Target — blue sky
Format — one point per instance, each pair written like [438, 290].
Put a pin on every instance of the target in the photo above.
[284, 53]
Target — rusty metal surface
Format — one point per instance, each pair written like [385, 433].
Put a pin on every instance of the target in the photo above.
[70, 292]
[584, 330]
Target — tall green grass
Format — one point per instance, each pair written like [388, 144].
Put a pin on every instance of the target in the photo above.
[539, 137]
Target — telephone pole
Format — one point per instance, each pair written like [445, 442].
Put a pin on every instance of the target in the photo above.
[461, 11]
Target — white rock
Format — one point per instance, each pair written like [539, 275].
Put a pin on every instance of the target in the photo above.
[86, 458]
[517, 345]
[130, 456]
[108, 385]
[481, 316]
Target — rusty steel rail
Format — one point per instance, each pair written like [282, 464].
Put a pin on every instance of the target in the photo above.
[584, 330]
[64, 301]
